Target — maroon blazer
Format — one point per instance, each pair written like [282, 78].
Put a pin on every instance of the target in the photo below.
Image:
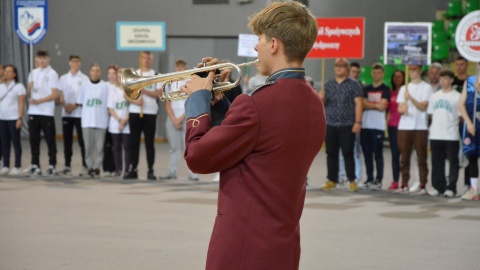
[263, 149]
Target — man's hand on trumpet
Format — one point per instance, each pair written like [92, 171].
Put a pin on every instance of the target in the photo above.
[197, 83]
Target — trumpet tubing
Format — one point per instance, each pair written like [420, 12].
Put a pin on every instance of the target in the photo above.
[132, 83]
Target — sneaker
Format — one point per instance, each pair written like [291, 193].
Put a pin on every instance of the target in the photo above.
[376, 185]
[96, 173]
[402, 190]
[4, 171]
[423, 191]
[133, 174]
[108, 174]
[14, 172]
[50, 171]
[151, 176]
[353, 186]
[449, 194]
[471, 195]
[393, 186]
[168, 176]
[67, 171]
[366, 186]
[415, 187]
[84, 172]
[33, 170]
[466, 188]
[329, 185]
[433, 193]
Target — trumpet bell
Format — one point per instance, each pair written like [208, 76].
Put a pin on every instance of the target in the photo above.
[132, 91]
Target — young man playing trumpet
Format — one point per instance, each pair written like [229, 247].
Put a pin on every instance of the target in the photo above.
[262, 159]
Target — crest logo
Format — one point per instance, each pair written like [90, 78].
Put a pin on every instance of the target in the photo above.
[467, 36]
[31, 20]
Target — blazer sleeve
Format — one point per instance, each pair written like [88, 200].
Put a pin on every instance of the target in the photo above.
[209, 150]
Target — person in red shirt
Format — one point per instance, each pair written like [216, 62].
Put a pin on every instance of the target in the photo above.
[262, 157]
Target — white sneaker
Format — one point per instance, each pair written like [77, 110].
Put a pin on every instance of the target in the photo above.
[67, 171]
[466, 188]
[108, 174]
[4, 171]
[50, 171]
[433, 193]
[33, 170]
[448, 193]
[415, 187]
[14, 171]
[472, 194]
[84, 172]
[422, 192]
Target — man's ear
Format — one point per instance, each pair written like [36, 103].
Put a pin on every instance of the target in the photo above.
[275, 45]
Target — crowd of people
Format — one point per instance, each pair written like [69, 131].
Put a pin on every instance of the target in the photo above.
[438, 113]
[109, 126]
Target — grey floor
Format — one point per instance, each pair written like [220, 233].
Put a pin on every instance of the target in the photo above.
[81, 223]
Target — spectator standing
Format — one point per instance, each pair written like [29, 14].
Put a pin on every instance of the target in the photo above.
[108, 157]
[375, 102]
[118, 126]
[343, 109]
[69, 86]
[143, 117]
[413, 128]
[43, 91]
[12, 100]
[398, 80]
[444, 138]
[434, 76]
[175, 126]
[93, 97]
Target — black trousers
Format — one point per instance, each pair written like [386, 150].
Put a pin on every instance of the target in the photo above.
[45, 124]
[108, 160]
[147, 124]
[442, 150]
[70, 123]
[340, 138]
[10, 133]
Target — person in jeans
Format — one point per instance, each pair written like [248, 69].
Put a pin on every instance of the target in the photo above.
[444, 138]
[175, 126]
[398, 80]
[343, 110]
[69, 86]
[375, 101]
[12, 100]
[43, 91]
[413, 128]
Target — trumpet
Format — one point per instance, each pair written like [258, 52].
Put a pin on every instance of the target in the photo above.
[132, 84]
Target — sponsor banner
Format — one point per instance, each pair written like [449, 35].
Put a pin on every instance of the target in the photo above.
[141, 36]
[407, 43]
[467, 36]
[339, 37]
[30, 19]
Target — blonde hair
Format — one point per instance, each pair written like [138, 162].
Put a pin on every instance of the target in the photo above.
[290, 22]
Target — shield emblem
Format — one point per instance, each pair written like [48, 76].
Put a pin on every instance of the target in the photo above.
[31, 20]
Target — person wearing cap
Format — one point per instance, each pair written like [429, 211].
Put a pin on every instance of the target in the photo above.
[443, 109]
[343, 110]
[413, 128]
[375, 101]
[434, 76]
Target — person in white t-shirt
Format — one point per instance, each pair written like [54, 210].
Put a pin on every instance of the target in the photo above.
[413, 128]
[175, 126]
[375, 102]
[1, 81]
[69, 86]
[143, 117]
[12, 100]
[42, 91]
[108, 157]
[118, 126]
[444, 137]
[93, 97]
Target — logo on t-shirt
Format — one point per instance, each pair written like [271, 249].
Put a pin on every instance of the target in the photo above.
[121, 105]
[443, 104]
[94, 102]
[375, 97]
